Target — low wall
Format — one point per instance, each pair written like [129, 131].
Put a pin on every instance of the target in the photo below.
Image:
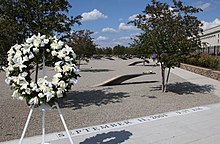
[202, 71]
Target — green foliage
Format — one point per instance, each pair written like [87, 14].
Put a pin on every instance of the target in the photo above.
[82, 43]
[170, 31]
[118, 50]
[203, 60]
[21, 18]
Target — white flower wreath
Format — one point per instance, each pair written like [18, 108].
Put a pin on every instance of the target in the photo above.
[23, 58]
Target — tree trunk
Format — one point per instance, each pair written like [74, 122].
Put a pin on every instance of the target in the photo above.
[168, 75]
[79, 62]
[163, 76]
[36, 74]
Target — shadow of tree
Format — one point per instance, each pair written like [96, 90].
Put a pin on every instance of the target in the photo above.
[114, 137]
[186, 88]
[80, 99]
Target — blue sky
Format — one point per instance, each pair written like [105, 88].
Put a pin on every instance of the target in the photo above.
[108, 18]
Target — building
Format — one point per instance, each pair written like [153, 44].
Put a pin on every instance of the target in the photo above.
[211, 41]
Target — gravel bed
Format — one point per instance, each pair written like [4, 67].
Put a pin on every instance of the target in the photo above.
[87, 105]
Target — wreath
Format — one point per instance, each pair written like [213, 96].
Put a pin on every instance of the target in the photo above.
[26, 59]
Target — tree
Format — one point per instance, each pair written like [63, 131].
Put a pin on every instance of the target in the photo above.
[170, 32]
[82, 44]
[119, 50]
[21, 18]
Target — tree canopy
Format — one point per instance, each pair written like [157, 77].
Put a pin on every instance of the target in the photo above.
[169, 31]
[21, 18]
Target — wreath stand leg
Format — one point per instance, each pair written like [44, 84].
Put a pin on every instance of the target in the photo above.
[26, 124]
[43, 124]
[64, 123]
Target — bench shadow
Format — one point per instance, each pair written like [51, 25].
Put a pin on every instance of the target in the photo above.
[80, 99]
[95, 70]
[181, 88]
[141, 82]
[114, 137]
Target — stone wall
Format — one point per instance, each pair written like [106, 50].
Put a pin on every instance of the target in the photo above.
[202, 71]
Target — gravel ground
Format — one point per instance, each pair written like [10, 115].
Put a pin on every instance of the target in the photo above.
[89, 105]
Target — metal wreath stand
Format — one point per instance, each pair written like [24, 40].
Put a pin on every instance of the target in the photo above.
[43, 109]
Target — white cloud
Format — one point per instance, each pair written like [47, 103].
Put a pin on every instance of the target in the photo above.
[124, 27]
[95, 33]
[203, 5]
[125, 38]
[120, 20]
[102, 38]
[207, 25]
[93, 15]
[133, 17]
[109, 30]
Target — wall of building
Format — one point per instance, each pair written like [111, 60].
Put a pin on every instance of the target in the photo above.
[210, 41]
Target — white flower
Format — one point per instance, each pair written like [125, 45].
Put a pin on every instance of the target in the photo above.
[76, 70]
[46, 41]
[36, 42]
[59, 93]
[42, 83]
[54, 53]
[24, 85]
[54, 45]
[29, 40]
[31, 55]
[34, 101]
[74, 55]
[67, 58]
[35, 50]
[18, 54]
[34, 87]
[49, 95]
[66, 68]
[24, 74]
[26, 48]
[58, 63]
[15, 79]
[19, 63]
[57, 69]
[62, 84]
[17, 47]
[41, 95]
[7, 81]
[68, 49]
[11, 52]
[25, 58]
[15, 94]
[73, 81]
[61, 54]
[10, 68]
[28, 90]
[58, 75]
[42, 44]
[60, 43]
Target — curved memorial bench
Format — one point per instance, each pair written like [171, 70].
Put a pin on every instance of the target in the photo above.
[119, 79]
[137, 62]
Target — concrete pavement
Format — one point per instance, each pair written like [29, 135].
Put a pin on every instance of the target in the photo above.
[198, 125]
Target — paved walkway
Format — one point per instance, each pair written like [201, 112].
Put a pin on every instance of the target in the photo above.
[198, 125]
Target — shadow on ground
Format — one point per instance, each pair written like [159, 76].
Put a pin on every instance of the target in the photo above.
[114, 137]
[186, 88]
[80, 99]
[95, 70]
[141, 82]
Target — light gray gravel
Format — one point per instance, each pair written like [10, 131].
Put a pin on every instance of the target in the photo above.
[87, 105]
